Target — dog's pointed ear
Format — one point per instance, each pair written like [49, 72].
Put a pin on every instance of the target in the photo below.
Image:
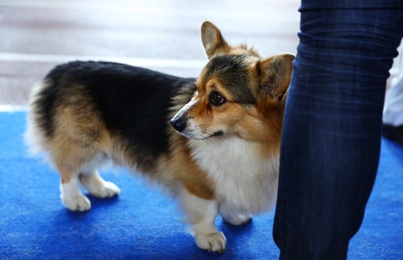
[212, 39]
[275, 75]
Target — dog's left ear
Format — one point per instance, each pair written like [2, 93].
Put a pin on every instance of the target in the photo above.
[275, 75]
[212, 40]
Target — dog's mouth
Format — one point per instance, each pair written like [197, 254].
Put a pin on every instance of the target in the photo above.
[194, 136]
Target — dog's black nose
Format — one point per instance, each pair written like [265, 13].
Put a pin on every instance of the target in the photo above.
[179, 124]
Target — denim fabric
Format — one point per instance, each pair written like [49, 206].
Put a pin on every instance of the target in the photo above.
[332, 126]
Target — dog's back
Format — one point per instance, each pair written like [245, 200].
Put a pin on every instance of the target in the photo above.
[90, 101]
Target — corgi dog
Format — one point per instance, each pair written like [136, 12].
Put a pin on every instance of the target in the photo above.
[213, 142]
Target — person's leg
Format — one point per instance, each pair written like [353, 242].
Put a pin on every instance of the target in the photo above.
[332, 126]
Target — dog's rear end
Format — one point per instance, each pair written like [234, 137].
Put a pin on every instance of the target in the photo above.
[84, 113]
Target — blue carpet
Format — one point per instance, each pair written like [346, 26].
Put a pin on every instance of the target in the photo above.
[143, 223]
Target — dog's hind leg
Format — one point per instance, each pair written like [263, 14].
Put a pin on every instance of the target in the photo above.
[97, 186]
[93, 182]
[70, 193]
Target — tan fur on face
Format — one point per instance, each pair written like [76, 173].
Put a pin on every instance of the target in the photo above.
[260, 121]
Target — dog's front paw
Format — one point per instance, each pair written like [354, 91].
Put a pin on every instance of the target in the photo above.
[106, 190]
[214, 242]
[77, 203]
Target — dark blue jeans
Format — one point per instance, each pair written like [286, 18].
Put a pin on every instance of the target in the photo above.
[332, 126]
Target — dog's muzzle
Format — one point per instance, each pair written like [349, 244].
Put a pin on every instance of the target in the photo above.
[178, 123]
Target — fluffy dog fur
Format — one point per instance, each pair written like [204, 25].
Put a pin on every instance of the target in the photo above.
[225, 159]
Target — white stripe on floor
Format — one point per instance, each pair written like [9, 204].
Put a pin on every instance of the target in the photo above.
[13, 108]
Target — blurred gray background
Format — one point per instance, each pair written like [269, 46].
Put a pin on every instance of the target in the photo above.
[162, 35]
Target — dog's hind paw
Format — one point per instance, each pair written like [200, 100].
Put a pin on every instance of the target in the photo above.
[98, 187]
[238, 220]
[77, 203]
[107, 190]
[214, 242]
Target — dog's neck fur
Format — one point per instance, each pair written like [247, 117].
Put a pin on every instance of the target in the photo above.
[244, 178]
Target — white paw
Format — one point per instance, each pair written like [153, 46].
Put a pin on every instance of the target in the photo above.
[238, 219]
[214, 242]
[107, 190]
[77, 203]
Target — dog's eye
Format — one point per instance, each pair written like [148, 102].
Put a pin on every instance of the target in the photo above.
[216, 99]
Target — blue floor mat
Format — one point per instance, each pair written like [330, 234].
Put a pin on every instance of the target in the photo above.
[144, 223]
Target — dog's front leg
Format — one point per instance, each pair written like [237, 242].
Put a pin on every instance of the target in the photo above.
[200, 214]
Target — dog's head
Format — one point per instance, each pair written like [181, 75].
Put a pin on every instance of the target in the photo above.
[238, 93]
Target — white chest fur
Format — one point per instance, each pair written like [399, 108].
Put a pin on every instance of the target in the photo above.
[245, 180]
